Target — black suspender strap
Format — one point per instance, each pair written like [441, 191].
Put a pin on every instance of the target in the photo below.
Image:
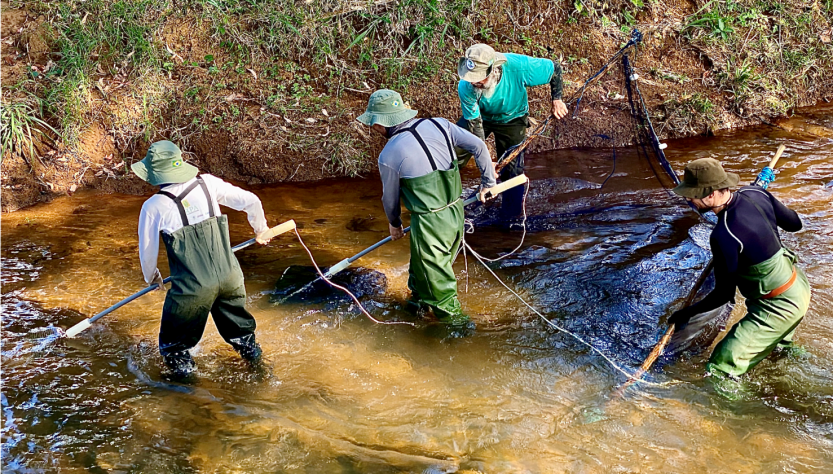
[412, 131]
[422, 144]
[178, 199]
[207, 196]
[447, 142]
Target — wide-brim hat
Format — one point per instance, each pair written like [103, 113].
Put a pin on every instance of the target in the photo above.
[386, 108]
[479, 62]
[703, 177]
[163, 164]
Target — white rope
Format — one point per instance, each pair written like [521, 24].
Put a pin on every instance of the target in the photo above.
[523, 236]
[555, 326]
[335, 285]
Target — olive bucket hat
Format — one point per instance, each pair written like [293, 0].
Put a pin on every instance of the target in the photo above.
[703, 177]
[386, 108]
[478, 63]
[163, 164]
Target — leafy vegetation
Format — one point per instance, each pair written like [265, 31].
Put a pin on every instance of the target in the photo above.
[766, 52]
[179, 69]
[19, 124]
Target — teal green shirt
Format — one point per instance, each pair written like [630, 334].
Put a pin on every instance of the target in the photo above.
[510, 100]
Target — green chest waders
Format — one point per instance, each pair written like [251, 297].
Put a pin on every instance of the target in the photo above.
[777, 297]
[436, 233]
[205, 277]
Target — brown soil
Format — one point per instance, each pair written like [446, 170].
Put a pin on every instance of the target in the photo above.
[239, 138]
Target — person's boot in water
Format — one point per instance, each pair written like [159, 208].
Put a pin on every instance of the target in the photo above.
[248, 348]
[181, 364]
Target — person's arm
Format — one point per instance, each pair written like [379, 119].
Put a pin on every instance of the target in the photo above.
[785, 217]
[476, 126]
[390, 194]
[725, 284]
[540, 71]
[149, 222]
[559, 108]
[238, 199]
[471, 143]
[556, 83]
[471, 109]
[537, 71]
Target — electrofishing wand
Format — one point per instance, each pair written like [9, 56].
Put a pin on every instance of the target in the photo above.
[78, 328]
[338, 267]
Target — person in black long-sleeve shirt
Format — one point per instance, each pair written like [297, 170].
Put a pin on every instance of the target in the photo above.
[748, 255]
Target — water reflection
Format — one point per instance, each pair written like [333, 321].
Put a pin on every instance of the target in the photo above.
[340, 394]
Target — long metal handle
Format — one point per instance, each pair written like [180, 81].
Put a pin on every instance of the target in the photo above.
[78, 328]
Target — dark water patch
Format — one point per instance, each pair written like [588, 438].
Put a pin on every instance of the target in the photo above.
[366, 224]
[302, 284]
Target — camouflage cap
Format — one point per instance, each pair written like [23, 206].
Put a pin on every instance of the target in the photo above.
[478, 63]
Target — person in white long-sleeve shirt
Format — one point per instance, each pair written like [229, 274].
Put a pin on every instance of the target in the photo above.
[205, 275]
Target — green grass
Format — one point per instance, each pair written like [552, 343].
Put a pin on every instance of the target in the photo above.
[19, 125]
[96, 36]
[766, 53]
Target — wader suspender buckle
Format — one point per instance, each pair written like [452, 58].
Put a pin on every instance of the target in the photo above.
[412, 130]
[178, 199]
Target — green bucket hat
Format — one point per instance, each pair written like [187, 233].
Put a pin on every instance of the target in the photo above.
[386, 108]
[163, 164]
[478, 63]
[703, 177]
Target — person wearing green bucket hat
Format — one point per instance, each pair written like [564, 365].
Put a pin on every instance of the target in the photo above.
[419, 165]
[493, 98]
[749, 256]
[205, 275]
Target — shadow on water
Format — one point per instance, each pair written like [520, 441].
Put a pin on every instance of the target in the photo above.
[337, 393]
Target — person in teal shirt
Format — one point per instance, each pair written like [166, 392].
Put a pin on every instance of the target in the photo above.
[493, 97]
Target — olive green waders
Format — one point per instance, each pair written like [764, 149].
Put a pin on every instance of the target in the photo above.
[507, 135]
[770, 320]
[436, 233]
[205, 277]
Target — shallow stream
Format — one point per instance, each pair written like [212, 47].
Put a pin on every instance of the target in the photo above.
[341, 394]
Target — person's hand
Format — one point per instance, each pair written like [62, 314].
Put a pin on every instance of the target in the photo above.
[261, 237]
[396, 233]
[559, 109]
[158, 281]
[680, 318]
[483, 195]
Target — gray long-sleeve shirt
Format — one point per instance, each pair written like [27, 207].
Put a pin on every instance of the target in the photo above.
[403, 157]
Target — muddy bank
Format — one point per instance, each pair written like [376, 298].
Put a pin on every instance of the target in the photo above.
[266, 93]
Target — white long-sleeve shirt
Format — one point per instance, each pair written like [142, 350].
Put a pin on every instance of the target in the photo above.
[161, 214]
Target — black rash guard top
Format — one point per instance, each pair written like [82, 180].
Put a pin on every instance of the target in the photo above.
[743, 237]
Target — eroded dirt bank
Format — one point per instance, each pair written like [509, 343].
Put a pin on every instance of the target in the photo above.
[264, 92]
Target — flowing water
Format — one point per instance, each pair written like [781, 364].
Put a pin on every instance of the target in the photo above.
[338, 393]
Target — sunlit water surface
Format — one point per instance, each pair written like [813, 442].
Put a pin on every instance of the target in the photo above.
[341, 394]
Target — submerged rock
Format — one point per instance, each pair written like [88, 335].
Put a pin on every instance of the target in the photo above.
[300, 284]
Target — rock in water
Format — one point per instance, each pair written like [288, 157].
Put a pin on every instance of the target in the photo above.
[294, 285]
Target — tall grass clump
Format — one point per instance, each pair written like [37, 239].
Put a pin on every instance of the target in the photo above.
[19, 125]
